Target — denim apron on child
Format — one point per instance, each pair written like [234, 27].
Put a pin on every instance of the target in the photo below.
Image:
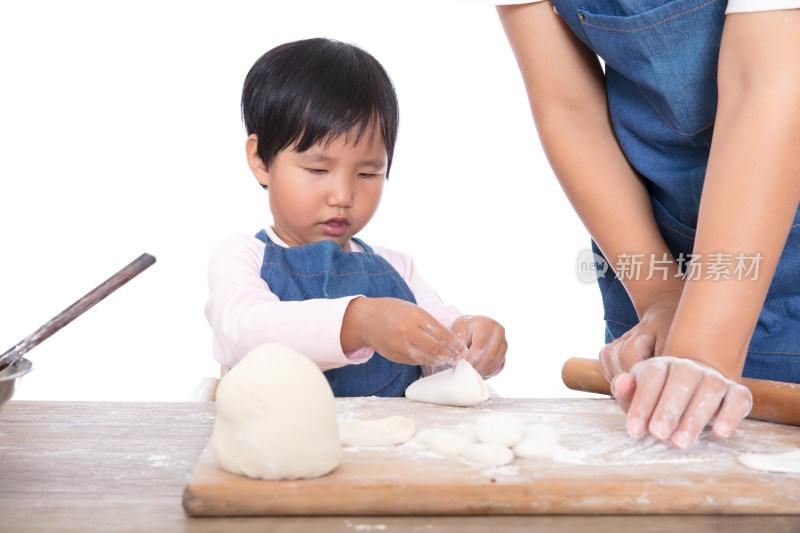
[323, 270]
[661, 67]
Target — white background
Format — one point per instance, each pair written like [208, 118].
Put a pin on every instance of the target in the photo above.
[121, 134]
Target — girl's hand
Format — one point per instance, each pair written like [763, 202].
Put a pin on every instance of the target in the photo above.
[486, 340]
[675, 398]
[400, 331]
[644, 340]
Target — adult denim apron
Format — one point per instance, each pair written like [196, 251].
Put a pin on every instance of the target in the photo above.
[323, 270]
[661, 68]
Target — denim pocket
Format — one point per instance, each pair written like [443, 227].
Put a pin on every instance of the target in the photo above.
[670, 52]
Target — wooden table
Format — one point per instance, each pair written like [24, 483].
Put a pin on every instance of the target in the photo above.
[98, 466]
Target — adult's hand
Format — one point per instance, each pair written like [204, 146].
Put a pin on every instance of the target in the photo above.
[643, 341]
[675, 398]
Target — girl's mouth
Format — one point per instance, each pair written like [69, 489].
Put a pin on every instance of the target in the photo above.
[335, 227]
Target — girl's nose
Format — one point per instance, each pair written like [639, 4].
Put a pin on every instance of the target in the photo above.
[341, 192]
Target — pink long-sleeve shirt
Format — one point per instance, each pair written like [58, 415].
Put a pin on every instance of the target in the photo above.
[244, 313]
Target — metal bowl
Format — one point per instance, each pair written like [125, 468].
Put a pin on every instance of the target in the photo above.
[9, 377]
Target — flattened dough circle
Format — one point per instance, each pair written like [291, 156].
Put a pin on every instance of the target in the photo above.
[380, 432]
[776, 462]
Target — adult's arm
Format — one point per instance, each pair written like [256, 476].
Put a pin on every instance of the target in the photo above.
[566, 91]
[752, 185]
[750, 198]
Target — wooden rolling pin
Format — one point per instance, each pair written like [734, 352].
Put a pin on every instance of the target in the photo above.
[773, 401]
[77, 309]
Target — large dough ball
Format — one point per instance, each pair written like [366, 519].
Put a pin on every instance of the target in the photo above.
[276, 417]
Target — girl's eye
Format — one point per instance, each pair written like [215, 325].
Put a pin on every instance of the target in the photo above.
[316, 170]
[366, 175]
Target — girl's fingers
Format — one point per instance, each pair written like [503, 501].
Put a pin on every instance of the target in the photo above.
[417, 354]
[487, 350]
[440, 343]
[486, 343]
[495, 354]
[501, 359]
[453, 344]
[478, 357]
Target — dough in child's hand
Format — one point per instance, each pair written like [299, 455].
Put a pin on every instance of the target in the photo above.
[276, 417]
[459, 386]
[381, 432]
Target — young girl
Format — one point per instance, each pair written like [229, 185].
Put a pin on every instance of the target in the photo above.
[691, 100]
[322, 120]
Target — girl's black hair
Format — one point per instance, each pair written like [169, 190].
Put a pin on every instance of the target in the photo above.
[305, 92]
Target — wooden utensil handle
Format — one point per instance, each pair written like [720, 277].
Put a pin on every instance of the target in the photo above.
[78, 308]
[773, 401]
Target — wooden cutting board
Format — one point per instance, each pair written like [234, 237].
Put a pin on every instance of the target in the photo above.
[599, 470]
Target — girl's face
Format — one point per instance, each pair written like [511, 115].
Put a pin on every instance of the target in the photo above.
[330, 191]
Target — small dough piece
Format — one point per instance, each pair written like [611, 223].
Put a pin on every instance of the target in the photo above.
[487, 454]
[424, 437]
[380, 432]
[467, 429]
[499, 428]
[461, 386]
[276, 417]
[540, 442]
[778, 462]
[448, 442]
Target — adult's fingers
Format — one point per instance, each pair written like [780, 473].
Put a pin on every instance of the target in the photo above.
[623, 387]
[636, 348]
[650, 380]
[603, 357]
[705, 402]
[736, 405]
[677, 397]
[610, 364]
[679, 388]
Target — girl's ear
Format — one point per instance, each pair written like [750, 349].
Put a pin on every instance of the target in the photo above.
[257, 166]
